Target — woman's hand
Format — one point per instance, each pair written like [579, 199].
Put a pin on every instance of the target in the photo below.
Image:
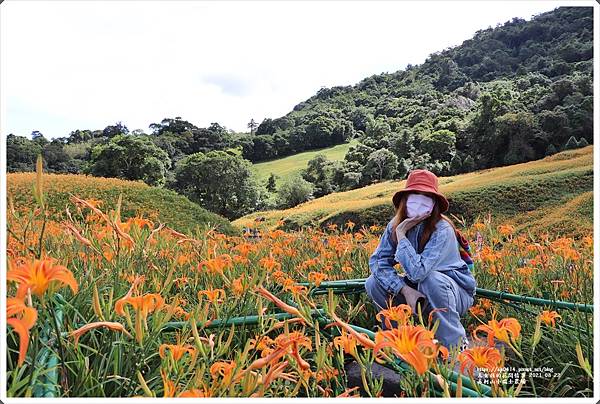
[408, 224]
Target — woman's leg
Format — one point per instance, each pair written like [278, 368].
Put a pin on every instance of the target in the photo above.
[443, 293]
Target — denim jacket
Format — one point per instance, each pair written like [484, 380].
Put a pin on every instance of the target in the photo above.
[439, 254]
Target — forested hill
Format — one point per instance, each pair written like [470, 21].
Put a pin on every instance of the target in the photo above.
[509, 94]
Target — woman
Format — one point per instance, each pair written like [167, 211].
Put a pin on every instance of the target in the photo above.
[424, 242]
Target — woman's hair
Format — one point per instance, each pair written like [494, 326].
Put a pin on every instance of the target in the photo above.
[430, 221]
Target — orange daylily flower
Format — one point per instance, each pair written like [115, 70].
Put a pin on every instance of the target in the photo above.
[169, 388]
[181, 281]
[479, 226]
[412, 344]
[223, 369]
[244, 249]
[347, 342]
[269, 263]
[238, 286]
[21, 318]
[477, 311]
[400, 314]
[549, 317]
[216, 265]
[316, 277]
[326, 374]
[213, 295]
[143, 305]
[506, 229]
[263, 344]
[139, 222]
[37, 275]
[290, 286]
[482, 357]
[110, 325]
[505, 330]
[177, 351]
[294, 341]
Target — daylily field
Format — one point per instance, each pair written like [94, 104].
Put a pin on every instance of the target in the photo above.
[105, 307]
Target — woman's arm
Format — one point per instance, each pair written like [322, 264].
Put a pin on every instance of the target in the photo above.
[418, 266]
[382, 264]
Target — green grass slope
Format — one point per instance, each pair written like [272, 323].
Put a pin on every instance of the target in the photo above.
[552, 194]
[163, 205]
[288, 166]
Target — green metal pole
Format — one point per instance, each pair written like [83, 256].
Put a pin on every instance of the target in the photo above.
[354, 285]
[245, 320]
[47, 384]
[587, 308]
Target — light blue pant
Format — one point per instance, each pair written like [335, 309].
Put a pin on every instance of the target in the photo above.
[442, 292]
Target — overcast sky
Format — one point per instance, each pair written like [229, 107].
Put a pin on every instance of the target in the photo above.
[70, 65]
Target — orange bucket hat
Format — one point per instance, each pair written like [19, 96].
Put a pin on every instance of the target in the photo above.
[423, 181]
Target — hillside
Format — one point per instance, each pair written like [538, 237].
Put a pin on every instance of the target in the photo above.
[288, 166]
[552, 193]
[138, 198]
[531, 73]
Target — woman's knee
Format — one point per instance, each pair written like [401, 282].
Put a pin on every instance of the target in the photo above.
[371, 286]
[375, 291]
[439, 289]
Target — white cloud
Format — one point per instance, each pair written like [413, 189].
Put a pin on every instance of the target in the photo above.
[73, 65]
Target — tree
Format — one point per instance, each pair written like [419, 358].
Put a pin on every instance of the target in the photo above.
[294, 191]
[204, 140]
[319, 173]
[468, 164]
[263, 148]
[131, 158]
[515, 132]
[79, 136]
[252, 125]
[403, 168]
[378, 128]
[115, 130]
[318, 132]
[456, 164]
[21, 153]
[441, 144]
[381, 164]
[38, 138]
[271, 183]
[359, 153]
[266, 127]
[57, 160]
[218, 181]
[173, 125]
[551, 150]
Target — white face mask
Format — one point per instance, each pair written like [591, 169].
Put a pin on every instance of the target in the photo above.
[417, 205]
